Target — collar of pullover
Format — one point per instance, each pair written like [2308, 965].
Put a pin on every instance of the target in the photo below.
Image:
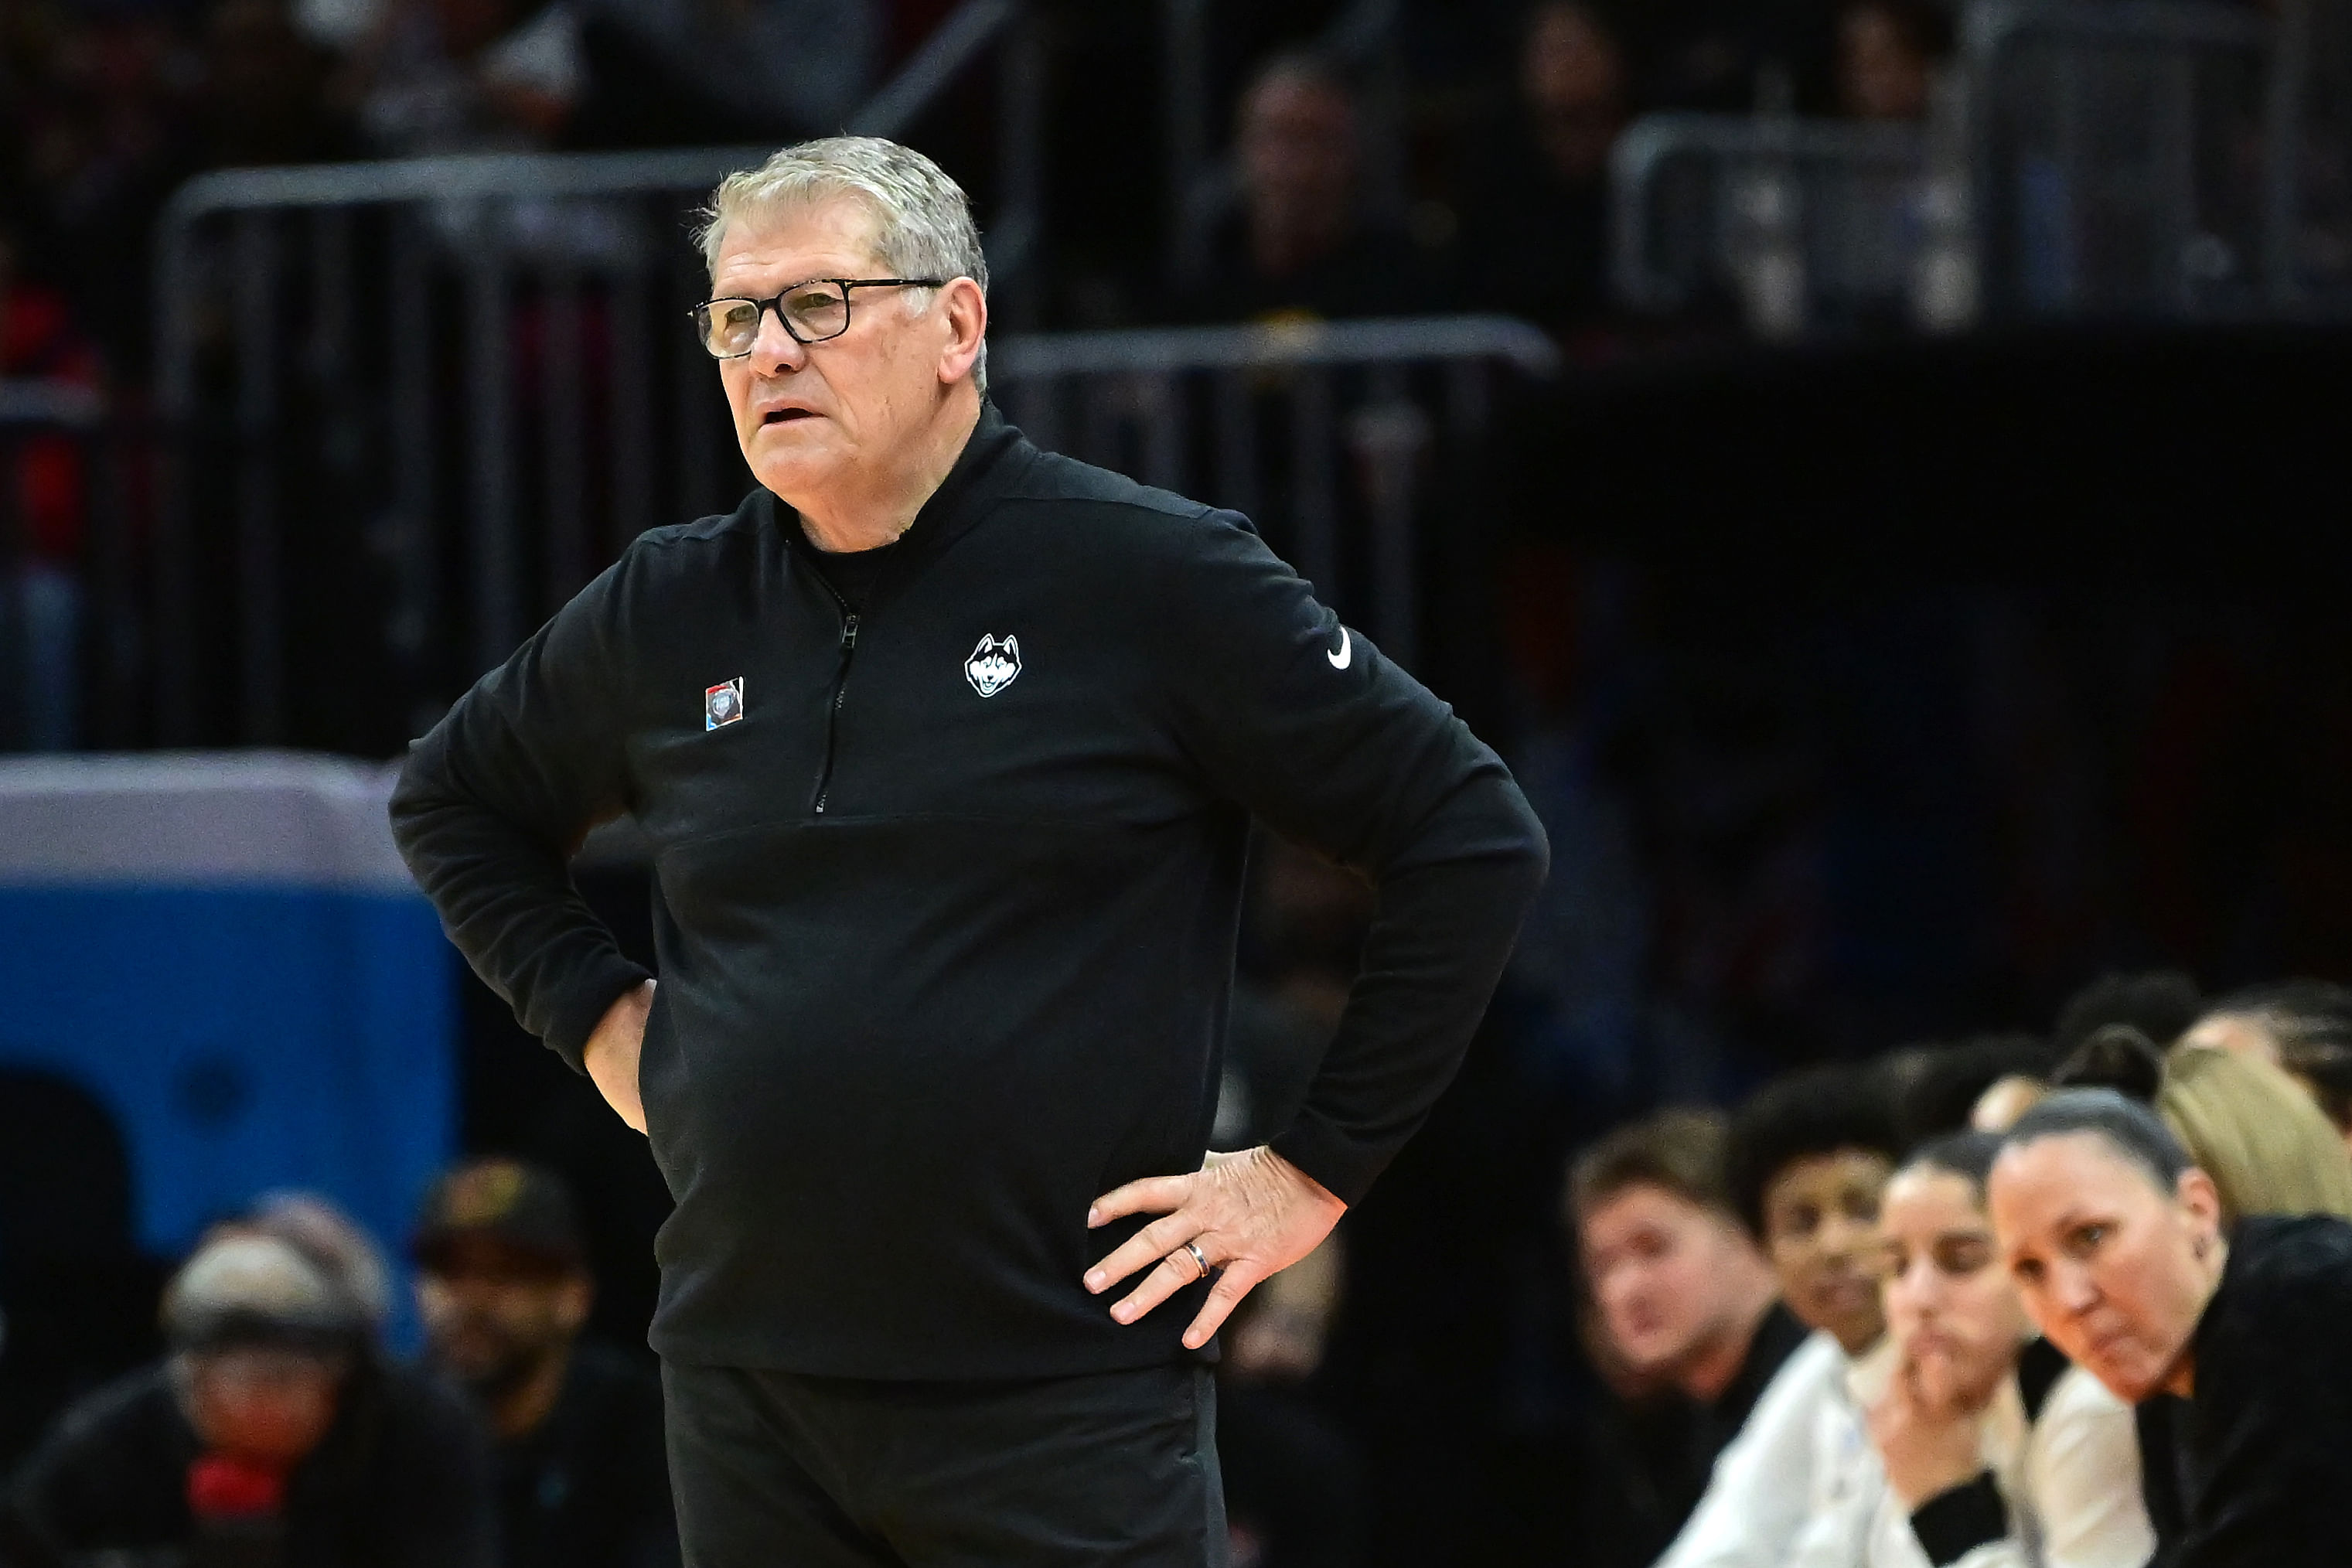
[992, 460]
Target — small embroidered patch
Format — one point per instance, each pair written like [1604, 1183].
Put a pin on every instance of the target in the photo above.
[722, 703]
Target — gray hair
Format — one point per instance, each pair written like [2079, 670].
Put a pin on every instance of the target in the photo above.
[922, 219]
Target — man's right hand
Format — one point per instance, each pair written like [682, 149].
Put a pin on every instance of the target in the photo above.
[612, 1050]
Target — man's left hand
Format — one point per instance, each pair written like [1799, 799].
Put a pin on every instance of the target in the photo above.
[1251, 1214]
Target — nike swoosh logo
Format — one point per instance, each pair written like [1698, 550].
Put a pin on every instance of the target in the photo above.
[1347, 651]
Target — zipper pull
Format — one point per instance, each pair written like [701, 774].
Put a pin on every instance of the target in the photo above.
[848, 633]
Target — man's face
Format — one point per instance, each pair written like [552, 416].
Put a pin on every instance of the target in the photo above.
[1662, 1271]
[273, 1405]
[1881, 73]
[1571, 67]
[827, 421]
[494, 1312]
[1820, 1231]
[1297, 144]
[2114, 1271]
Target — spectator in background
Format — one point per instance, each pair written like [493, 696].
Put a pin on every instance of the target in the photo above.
[1301, 245]
[1937, 1090]
[274, 1433]
[1887, 51]
[470, 76]
[2304, 1026]
[504, 1290]
[1536, 228]
[40, 612]
[1997, 1451]
[2159, 1003]
[1811, 1153]
[1686, 1302]
[103, 127]
[1809, 1158]
[2265, 1144]
[2264, 1148]
[2120, 1253]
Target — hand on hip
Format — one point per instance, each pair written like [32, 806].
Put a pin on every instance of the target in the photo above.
[1251, 1214]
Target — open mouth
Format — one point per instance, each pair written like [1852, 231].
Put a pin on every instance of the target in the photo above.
[784, 416]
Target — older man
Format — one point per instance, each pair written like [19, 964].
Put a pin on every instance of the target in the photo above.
[2116, 1245]
[947, 748]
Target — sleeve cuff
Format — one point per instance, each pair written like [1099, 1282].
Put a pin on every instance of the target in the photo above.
[1954, 1522]
[1344, 1168]
[585, 1000]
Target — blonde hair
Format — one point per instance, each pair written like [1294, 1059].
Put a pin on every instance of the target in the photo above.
[2254, 1130]
[922, 219]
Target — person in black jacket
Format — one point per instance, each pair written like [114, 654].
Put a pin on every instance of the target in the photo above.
[503, 1288]
[2116, 1245]
[947, 749]
[274, 1437]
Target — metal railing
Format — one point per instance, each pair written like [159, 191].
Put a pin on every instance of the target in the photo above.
[2109, 154]
[1792, 218]
[476, 367]
[65, 628]
[2128, 157]
[1354, 445]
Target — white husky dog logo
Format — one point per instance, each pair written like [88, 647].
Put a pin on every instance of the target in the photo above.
[994, 665]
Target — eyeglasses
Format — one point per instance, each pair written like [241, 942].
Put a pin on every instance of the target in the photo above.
[811, 311]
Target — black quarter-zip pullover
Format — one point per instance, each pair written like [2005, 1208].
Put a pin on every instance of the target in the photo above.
[946, 890]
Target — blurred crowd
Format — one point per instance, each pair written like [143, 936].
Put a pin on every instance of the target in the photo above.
[275, 1429]
[1507, 121]
[1505, 206]
[1461, 164]
[2070, 1296]
[2016, 1299]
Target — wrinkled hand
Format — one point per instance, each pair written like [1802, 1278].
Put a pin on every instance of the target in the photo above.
[1927, 1439]
[1251, 1212]
[611, 1053]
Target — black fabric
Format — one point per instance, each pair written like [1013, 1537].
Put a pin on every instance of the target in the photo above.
[1647, 1461]
[1959, 1520]
[1777, 1334]
[589, 1486]
[2163, 1483]
[852, 574]
[1294, 1476]
[2038, 1371]
[2267, 1431]
[1538, 240]
[946, 950]
[403, 1480]
[1103, 1469]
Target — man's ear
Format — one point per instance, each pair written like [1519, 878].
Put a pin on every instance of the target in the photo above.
[965, 309]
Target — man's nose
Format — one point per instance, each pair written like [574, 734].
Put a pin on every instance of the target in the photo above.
[775, 350]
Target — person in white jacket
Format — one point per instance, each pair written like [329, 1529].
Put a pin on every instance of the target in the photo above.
[1996, 1452]
[1810, 1153]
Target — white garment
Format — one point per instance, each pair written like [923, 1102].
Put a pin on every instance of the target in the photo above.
[2070, 1479]
[1849, 1485]
[1759, 1497]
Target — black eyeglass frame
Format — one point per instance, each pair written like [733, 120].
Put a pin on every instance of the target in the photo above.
[776, 302]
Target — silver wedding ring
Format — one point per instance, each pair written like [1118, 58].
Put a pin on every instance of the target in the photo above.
[1200, 1258]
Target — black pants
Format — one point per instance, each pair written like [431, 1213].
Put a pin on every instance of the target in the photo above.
[774, 1469]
